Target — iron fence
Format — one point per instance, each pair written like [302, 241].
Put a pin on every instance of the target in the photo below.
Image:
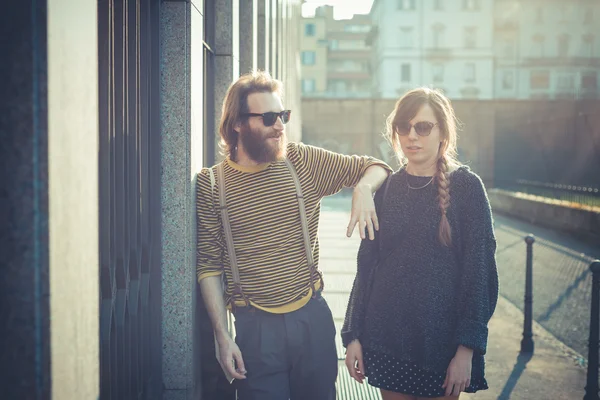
[571, 194]
[129, 207]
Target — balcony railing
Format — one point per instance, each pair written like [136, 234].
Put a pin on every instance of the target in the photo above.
[355, 94]
[438, 53]
[506, 25]
[350, 75]
[361, 54]
[561, 61]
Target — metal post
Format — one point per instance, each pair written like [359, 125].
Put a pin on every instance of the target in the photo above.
[591, 387]
[527, 341]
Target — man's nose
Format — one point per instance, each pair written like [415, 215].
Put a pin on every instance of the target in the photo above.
[279, 124]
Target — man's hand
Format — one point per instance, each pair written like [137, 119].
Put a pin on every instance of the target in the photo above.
[363, 212]
[230, 357]
[458, 375]
[354, 361]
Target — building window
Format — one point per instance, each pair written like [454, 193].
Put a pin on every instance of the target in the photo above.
[406, 37]
[309, 30]
[337, 86]
[334, 44]
[470, 37]
[588, 16]
[349, 66]
[308, 85]
[539, 15]
[437, 72]
[470, 72]
[563, 45]
[589, 81]
[357, 28]
[438, 4]
[509, 48]
[438, 36]
[587, 46]
[539, 80]
[405, 73]
[406, 4]
[537, 49]
[565, 83]
[471, 5]
[308, 58]
[566, 12]
[508, 80]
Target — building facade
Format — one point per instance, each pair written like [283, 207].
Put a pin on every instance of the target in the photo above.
[547, 49]
[109, 111]
[487, 49]
[442, 43]
[335, 56]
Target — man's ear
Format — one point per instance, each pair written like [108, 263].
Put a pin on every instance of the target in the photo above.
[237, 127]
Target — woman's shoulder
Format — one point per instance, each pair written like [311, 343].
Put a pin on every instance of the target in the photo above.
[466, 186]
[463, 176]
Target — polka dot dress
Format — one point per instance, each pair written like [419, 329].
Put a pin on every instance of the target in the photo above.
[388, 373]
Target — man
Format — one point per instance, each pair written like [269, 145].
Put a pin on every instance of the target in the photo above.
[285, 335]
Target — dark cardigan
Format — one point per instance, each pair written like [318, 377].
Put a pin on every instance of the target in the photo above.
[418, 300]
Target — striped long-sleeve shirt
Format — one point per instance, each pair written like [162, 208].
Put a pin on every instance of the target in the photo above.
[265, 223]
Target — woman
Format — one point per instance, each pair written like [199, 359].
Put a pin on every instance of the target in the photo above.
[426, 287]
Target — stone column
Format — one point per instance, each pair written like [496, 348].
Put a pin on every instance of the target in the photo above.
[247, 35]
[178, 154]
[226, 60]
[261, 34]
[73, 197]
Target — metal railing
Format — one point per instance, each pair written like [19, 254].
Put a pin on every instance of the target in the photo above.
[591, 387]
[569, 194]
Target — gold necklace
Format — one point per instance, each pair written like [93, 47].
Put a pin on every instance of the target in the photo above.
[420, 187]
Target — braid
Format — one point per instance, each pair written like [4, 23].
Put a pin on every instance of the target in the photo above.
[445, 233]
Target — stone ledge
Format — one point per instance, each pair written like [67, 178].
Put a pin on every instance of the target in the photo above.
[583, 222]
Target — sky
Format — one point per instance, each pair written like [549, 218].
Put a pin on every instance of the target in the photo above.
[343, 9]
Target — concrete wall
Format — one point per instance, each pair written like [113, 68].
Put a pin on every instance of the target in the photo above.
[356, 126]
[584, 223]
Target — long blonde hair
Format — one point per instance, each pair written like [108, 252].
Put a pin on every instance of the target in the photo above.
[405, 110]
[235, 105]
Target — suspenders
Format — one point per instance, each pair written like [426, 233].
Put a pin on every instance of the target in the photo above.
[237, 285]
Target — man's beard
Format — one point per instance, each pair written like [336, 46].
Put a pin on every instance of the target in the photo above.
[259, 149]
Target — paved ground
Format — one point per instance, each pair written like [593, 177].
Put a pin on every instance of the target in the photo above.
[561, 278]
[555, 371]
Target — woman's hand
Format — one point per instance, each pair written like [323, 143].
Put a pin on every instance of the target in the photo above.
[354, 361]
[363, 212]
[458, 375]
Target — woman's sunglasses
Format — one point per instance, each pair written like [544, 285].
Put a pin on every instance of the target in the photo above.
[423, 128]
[269, 118]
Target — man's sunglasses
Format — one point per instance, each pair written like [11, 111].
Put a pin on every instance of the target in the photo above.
[269, 118]
[423, 128]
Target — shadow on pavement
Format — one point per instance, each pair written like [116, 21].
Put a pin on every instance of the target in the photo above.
[517, 371]
[563, 296]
